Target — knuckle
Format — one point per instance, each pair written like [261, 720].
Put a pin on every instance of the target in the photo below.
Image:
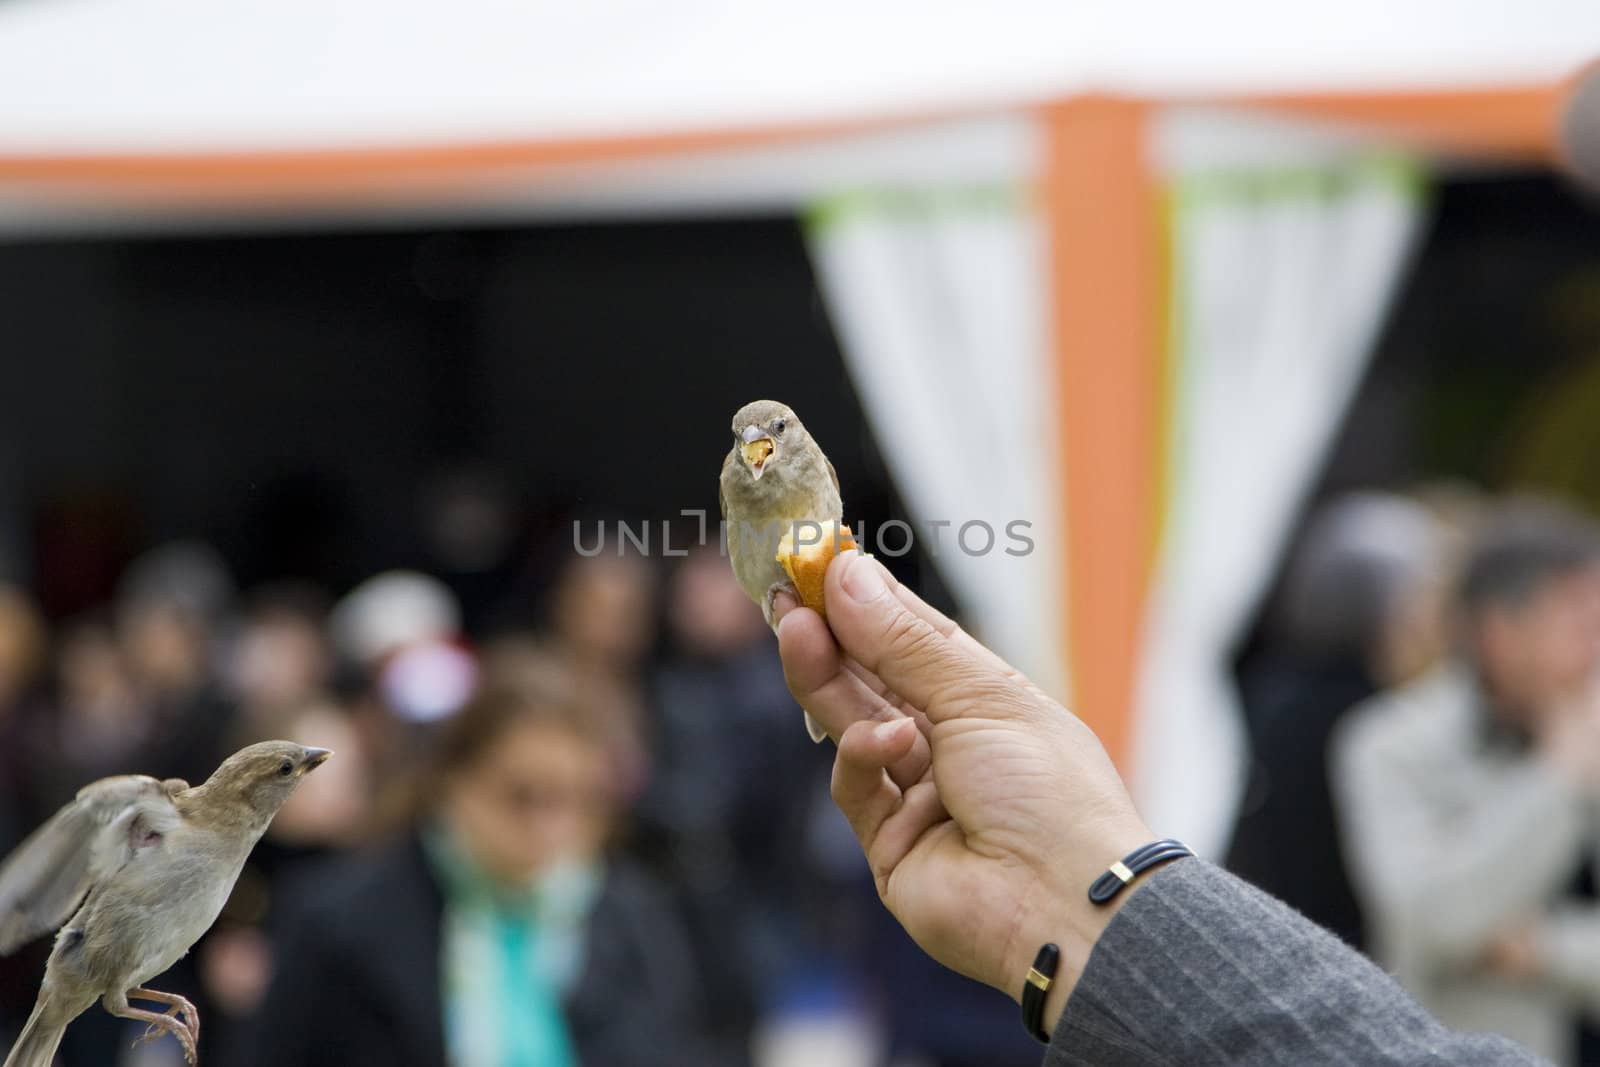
[987, 691]
[910, 640]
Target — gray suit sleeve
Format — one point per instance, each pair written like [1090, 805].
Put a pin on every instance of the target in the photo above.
[1200, 968]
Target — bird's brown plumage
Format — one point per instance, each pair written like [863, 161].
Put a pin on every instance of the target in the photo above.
[774, 480]
[137, 869]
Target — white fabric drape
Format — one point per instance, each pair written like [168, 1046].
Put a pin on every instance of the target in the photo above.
[939, 300]
[1281, 278]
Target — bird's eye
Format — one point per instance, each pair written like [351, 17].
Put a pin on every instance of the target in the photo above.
[778, 426]
[285, 769]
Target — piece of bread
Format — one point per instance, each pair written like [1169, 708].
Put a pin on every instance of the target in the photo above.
[808, 564]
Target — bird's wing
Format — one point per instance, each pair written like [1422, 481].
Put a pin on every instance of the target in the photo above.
[722, 492]
[832, 473]
[722, 506]
[45, 879]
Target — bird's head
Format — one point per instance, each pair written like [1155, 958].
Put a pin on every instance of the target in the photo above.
[764, 433]
[263, 775]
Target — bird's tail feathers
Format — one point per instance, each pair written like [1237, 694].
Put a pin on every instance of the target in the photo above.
[37, 1045]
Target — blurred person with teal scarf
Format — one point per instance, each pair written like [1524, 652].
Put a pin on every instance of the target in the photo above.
[497, 932]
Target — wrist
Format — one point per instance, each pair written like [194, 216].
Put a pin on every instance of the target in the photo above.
[1060, 912]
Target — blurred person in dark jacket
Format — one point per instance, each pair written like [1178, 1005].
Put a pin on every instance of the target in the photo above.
[94, 725]
[1361, 611]
[173, 608]
[277, 672]
[1470, 798]
[22, 650]
[138, 691]
[234, 962]
[496, 932]
[602, 623]
[471, 532]
[733, 786]
[91, 726]
[280, 662]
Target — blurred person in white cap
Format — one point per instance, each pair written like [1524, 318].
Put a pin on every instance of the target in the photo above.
[398, 636]
[391, 611]
[401, 630]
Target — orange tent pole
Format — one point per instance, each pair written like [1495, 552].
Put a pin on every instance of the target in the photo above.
[1108, 295]
[1106, 290]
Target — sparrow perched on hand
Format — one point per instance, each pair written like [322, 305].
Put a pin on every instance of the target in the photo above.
[775, 481]
[138, 870]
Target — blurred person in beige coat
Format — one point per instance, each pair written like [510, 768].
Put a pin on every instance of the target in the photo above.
[1470, 798]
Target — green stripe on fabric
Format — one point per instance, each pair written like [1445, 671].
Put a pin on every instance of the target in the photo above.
[916, 203]
[1188, 194]
[1403, 173]
[1173, 331]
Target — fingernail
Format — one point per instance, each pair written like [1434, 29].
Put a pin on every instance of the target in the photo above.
[863, 581]
[885, 731]
[782, 604]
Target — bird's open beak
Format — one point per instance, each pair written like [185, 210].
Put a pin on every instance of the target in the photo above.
[315, 757]
[758, 449]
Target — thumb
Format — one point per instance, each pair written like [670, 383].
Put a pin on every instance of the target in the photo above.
[913, 658]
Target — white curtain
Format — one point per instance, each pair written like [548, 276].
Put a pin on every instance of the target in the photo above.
[1281, 276]
[938, 296]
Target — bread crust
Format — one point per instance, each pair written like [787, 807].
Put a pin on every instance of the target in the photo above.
[807, 566]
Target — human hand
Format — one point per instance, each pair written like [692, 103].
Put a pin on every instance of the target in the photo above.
[984, 807]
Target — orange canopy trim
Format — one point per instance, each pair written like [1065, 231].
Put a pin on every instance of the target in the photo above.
[1517, 121]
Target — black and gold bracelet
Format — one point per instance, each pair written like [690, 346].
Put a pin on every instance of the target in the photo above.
[1119, 874]
[1040, 977]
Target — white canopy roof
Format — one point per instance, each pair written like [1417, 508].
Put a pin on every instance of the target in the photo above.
[154, 76]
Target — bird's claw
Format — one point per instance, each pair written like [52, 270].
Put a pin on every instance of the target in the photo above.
[176, 1022]
[185, 1041]
[769, 604]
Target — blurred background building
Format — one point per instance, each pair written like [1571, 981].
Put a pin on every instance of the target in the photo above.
[332, 338]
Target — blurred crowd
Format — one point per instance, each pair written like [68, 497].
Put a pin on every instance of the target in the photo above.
[1425, 725]
[573, 817]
